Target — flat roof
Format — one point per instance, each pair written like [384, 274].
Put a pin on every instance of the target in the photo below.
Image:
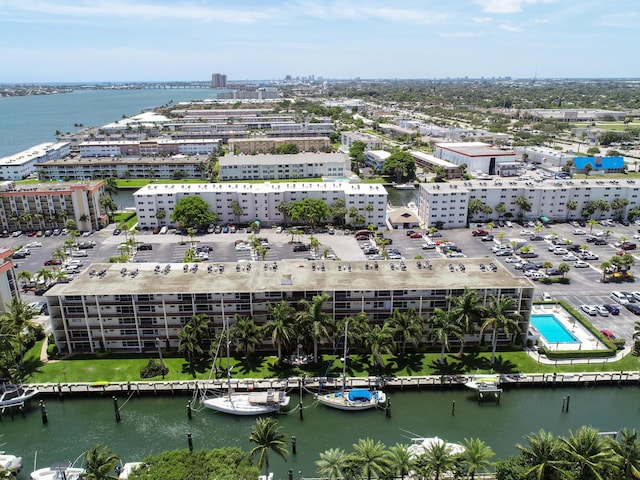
[46, 187]
[103, 161]
[475, 149]
[290, 275]
[264, 187]
[268, 159]
[432, 160]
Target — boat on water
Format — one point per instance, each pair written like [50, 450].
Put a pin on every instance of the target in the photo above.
[405, 186]
[59, 471]
[421, 445]
[353, 399]
[245, 403]
[10, 462]
[15, 395]
[483, 382]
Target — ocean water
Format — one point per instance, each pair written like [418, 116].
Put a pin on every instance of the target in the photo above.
[28, 121]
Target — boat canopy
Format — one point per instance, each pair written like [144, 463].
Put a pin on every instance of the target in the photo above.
[359, 395]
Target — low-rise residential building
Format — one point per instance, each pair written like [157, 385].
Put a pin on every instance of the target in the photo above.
[424, 160]
[375, 159]
[81, 168]
[555, 199]
[9, 288]
[50, 205]
[280, 167]
[258, 201]
[349, 137]
[156, 146]
[20, 165]
[251, 145]
[477, 156]
[126, 308]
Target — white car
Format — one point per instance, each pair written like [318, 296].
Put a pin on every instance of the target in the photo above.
[503, 253]
[546, 297]
[279, 230]
[535, 275]
[588, 256]
[579, 231]
[526, 233]
[580, 264]
[33, 245]
[569, 257]
[243, 247]
[603, 312]
[589, 309]
[79, 253]
[265, 245]
[512, 260]
[202, 255]
[560, 251]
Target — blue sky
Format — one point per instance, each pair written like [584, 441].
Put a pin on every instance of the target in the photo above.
[139, 40]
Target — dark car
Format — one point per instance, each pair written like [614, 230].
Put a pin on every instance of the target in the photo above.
[536, 238]
[410, 232]
[19, 255]
[630, 297]
[599, 241]
[628, 246]
[612, 309]
[85, 245]
[553, 272]
[117, 231]
[144, 246]
[635, 309]
[301, 247]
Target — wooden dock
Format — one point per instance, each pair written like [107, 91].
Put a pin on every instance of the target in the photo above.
[312, 384]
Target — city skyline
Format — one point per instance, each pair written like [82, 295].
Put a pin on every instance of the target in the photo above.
[158, 40]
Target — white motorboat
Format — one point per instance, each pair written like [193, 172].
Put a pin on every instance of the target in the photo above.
[245, 403]
[58, 471]
[10, 462]
[128, 468]
[483, 382]
[405, 186]
[15, 395]
[421, 445]
[353, 399]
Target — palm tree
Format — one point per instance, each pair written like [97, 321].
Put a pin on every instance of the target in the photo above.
[267, 437]
[280, 327]
[407, 328]
[500, 314]
[100, 463]
[192, 338]
[332, 463]
[371, 458]
[443, 328]
[44, 274]
[627, 450]
[476, 456]
[543, 455]
[437, 460]
[379, 340]
[314, 321]
[466, 311]
[25, 275]
[246, 335]
[400, 460]
[589, 452]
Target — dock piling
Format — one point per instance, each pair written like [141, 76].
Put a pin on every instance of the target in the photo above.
[116, 409]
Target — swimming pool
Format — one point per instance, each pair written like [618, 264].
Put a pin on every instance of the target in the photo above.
[552, 329]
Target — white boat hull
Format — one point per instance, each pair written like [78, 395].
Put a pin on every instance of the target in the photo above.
[252, 403]
[341, 401]
[16, 396]
[55, 473]
[479, 382]
[10, 462]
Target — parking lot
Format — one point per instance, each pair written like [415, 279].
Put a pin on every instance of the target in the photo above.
[586, 285]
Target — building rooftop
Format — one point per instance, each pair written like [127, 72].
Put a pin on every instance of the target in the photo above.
[267, 159]
[265, 187]
[107, 161]
[57, 187]
[425, 157]
[30, 154]
[474, 149]
[515, 182]
[288, 275]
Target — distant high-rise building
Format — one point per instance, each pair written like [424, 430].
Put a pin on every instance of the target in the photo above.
[218, 80]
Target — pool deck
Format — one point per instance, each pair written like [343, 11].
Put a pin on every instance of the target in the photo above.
[586, 340]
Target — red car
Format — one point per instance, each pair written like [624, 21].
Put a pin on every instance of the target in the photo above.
[608, 334]
[479, 233]
[32, 233]
[415, 235]
[52, 262]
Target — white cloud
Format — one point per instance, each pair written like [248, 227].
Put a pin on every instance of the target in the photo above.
[460, 34]
[507, 6]
[482, 19]
[510, 28]
[541, 20]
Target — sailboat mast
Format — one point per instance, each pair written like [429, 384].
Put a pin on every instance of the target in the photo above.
[225, 327]
[344, 358]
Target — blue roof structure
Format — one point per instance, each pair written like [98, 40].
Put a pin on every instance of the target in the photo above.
[599, 163]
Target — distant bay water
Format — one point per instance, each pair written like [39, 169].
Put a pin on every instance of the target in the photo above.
[30, 120]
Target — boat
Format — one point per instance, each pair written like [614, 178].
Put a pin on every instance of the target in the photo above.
[16, 395]
[10, 462]
[59, 471]
[405, 186]
[421, 445]
[127, 469]
[483, 382]
[246, 403]
[351, 399]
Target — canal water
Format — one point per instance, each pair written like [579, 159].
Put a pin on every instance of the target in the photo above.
[150, 425]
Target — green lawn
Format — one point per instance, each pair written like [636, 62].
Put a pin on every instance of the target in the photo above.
[125, 368]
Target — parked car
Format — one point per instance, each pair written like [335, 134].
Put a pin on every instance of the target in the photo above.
[79, 253]
[546, 297]
[410, 232]
[589, 309]
[581, 264]
[608, 334]
[628, 246]
[588, 256]
[33, 245]
[612, 309]
[619, 297]
[560, 251]
[603, 312]
[415, 235]
[487, 238]
[144, 246]
[630, 297]
[635, 309]
[301, 247]
[526, 233]
[117, 231]
[569, 257]
[579, 231]
[479, 233]
[536, 238]
[528, 255]
[51, 262]
[18, 255]
[600, 241]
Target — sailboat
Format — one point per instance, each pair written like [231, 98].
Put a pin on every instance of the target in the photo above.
[355, 398]
[246, 403]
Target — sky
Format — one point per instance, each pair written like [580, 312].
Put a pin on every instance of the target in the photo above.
[187, 40]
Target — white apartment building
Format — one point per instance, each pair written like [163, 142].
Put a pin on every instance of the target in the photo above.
[279, 167]
[477, 156]
[105, 308]
[158, 146]
[448, 202]
[251, 145]
[348, 138]
[9, 286]
[20, 165]
[259, 201]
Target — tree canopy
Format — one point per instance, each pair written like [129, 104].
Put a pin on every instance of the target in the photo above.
[401, 165]
[193, 212]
